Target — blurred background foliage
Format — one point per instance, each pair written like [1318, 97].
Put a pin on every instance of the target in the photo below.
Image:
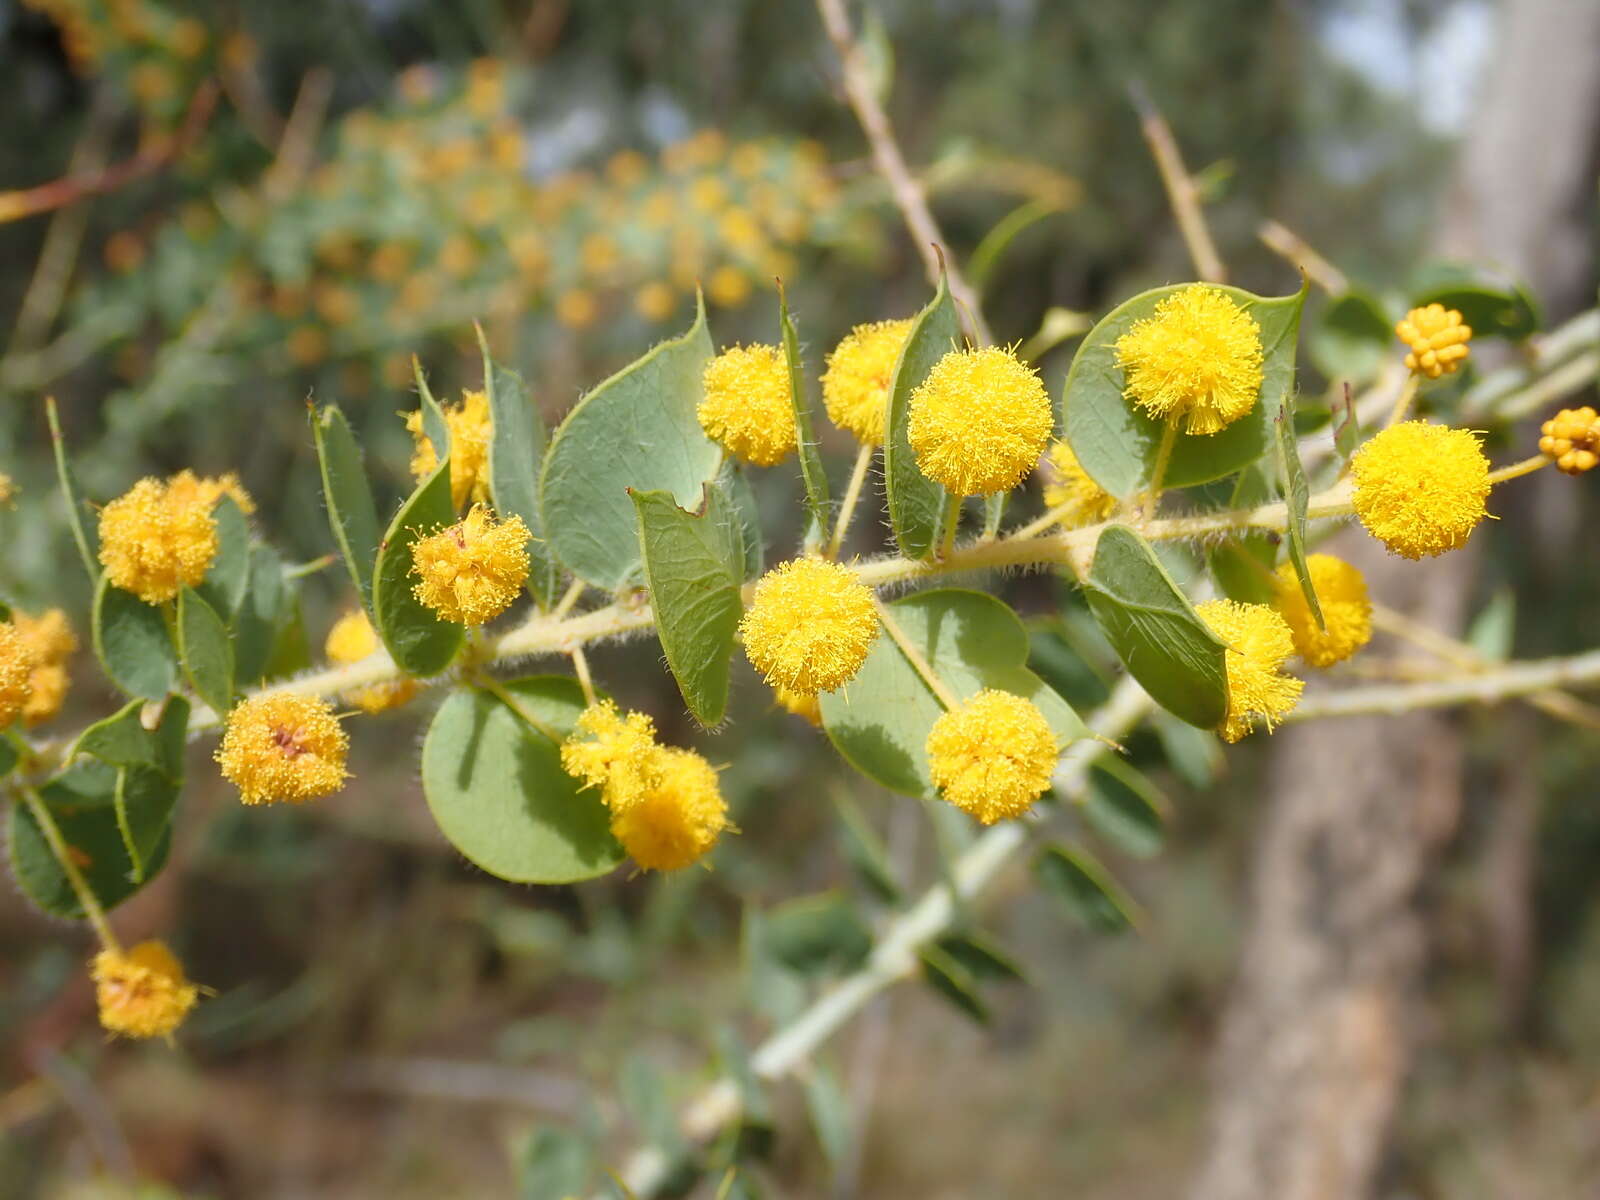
[333, 188]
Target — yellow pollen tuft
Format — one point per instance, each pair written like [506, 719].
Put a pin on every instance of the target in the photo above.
[17, 664]
[471, 431]
[283, 746]
[1066, 482]
[678, 820]
[142, 993]
[979, 421]
[799, 703]
[746, 407]
[154, 541]
[1346, 610]
[1258, 643]
[809, 626]
[51, 642]
[1572, 439]
[188, 488]
[1437, 338]
[1419, 488]
[855, 387]
[993, 756]
[472, 571]
[353, 639]
[613, 752]
[1198, 358]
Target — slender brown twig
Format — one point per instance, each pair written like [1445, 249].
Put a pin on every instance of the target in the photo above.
[1181, 191]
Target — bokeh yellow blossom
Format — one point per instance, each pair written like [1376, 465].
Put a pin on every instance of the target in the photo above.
[142, 993]
[855, 386]
[1067, 483]
[471, 431]
[353, 639]
[16, 673]
[678, 819]
[51, 642]
[1346, 610]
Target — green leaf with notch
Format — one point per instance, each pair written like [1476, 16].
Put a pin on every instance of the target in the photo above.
[418, 639]
[132, 642]
[352, 516]
[916, 503]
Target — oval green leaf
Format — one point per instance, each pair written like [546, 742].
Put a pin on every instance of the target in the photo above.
[123, 741]
[516, 452]
[225, 581]
[205, 651]
[352, 515]
[418, 640]
[132, 642]
[916, 503]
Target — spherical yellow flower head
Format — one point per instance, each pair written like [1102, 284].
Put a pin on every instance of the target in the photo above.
[800, 704]
[352, 639]
[613, 752]
[472, 571]
[809, 626]
[746, 407]
[154, 542]
[51, 642]
[188, 488]
[471, 430]
[1066, 482]
[855, 387]
[1420, 488]
[993, 756]
[282, 746]
[1572, 438]
[16, 673]
[1437, 338]
[1258, 643]
[142, 993]
[1196, 358]
[1346, 610]
[679, 819]
[979, 421]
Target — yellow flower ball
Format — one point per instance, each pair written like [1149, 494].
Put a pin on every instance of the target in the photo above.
[655, 300]
[1420, 489]
[353, 639]
[1067, 483]
[979, 421]
[1437, 340]
[471, 431]
[855, 387]
[154, 542]
[1197, 358]
[746, 407]
[615, 753]
[1258, 644]
[16, 673]
[472, 571]
[728, 287]
[809, 626]
[51, 642]
[993, 756]
[1346, 610]
[142, 993]
[283, 746]
[679, 819]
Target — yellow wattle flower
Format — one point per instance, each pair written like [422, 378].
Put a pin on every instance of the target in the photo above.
[1572, 439]
[188, 488]
[979, 421]
[471, 431]
[51, 642]
[154, 541]
[614, 752]
[352, 639]
[16, 673]
[1437, 339]
[1346, 610]
[283, 746]
[1066, 482]
[993, 756]
[1419, 488]
[142, 992]
[855, 386]
[679, 819]
[1197, 358]
[746, 407]
[471, 571]
[1258, 644]
[809, 626]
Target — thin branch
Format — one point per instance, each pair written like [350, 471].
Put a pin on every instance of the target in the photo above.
[1492, 686]
[1288, 244]
[1181, 191]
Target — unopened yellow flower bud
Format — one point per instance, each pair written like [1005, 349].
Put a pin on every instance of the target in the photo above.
[1066, 482]
[809, 626]
[352, 639]
[1572, 438]
[1437, 338]
[142, 993]
[16, 673]
[993, 756]
[1197, 358]
[613, 752]
[1420, 488]
[746, 407]
[1346, 610]
[471, 431]
[1258, 644]
[283, 746]
[979, 421]
[679, 819]
[855, 387]
[154, 541]
[472, 571]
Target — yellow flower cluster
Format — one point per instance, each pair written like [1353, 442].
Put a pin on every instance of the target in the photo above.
[142, 993]
[1437, 338]
[1197, 358]
[281, 746]
[471, 431]
[353, 639]
[979, 421]
[16, 673]
[186, 488]
[471, 571]
[855, 386]
[1346, 610]
[1572, 438]
[666, 805]
[993, 756]
[50, 643]
[809, 626]
[746, 407]
[158, 537]
[1420, 488]
[1067, 483]
[1258, 643]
